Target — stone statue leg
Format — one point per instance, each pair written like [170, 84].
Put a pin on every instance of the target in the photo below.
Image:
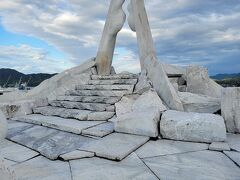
[114, 23]
[138, 21]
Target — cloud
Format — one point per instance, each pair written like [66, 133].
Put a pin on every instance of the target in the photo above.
[185, 31]
[25, 58]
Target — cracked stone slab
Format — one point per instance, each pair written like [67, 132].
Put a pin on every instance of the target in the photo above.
[16, 152]
[100, 130]
[234, 156]
[115, 146]
[200, 165]
[76, 155]
[114, 93]
[106, 87]
[79, 105]
[95, 169]
[100, 116]
[68, 125]
[41, 168]
[112, 82]
[50, 142]
[219, 146]
[15, 127]
[234, 141]
[116, 76]
[62, 112]
[89, 99]
[168, 147]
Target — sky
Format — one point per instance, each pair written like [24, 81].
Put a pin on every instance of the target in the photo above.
[49, 36]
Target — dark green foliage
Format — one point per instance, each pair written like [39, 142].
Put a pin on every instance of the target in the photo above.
[230, 82]
[13, 77]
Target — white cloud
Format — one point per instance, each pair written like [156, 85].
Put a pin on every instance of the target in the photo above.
[184, 31]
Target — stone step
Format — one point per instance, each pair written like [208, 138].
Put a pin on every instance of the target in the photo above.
[90, 99]
[79, 105]
[105, 87]
[81, 115]
[116, 76]
[112, 82]
[63, 124]
[115, 93]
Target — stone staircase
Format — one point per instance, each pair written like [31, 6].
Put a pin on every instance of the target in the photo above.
[85, 107]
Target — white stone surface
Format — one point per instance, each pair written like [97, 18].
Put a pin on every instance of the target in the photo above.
[76, 155]
[113, 81]
[139, 115]
[195, 165]
[219, 146]
[198, 82]
[173, 69]
[41, 168]
[145, 123]
[234, 156]
[109, 93]
[100, 116]
[115, 146]
[16, 152]
[3, 126]
[68, 125]
[168, 147]
[114, 23]
[6, 172]
[128, 87]
[100, 130]
[230, 107]
[143, 84]
[234, 141]
[148, 100]
[148, 57]
[199, 103]
[196, 127]
[97, 169]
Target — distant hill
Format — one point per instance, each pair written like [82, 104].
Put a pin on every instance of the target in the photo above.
[11, 77]
[225, 76]
[227, 80]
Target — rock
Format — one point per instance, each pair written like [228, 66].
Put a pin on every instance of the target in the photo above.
[15, 127]
[219, 146]
[100, 116]
[123, 75]
[233, 141]
[140, 123]
[16, 152]
[182, 88]
[115, 93]
[97, 169]
[41, 168]
[137, 115]
[143, 84]
[6, 172]
[230, 107]
[148, 56]
[76, 155]
[198, 82]
[50, 142]
[148, 100]
[100, 130]
[111, 82]
[168, 147]
[125, 104]
[115, 146]
[173, 69]
[127, 87]
[68, 125]
[199, 103]
[194, 165]
[196, 127]
[89, 99]
[234, 156]
[21, 108]
[3, 126]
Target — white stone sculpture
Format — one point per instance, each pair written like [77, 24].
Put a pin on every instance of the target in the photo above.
[114, 23]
